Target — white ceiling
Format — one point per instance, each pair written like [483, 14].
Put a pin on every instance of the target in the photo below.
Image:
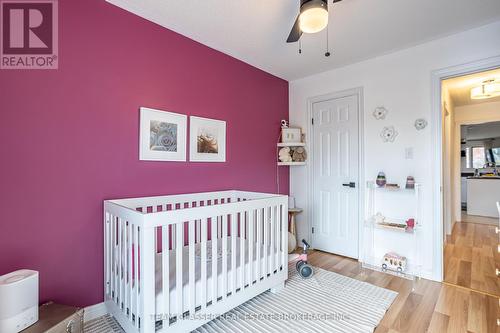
[255, 31]
[459, 87]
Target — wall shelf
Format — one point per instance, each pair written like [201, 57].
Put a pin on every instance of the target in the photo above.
[291, 163]
[396, 205]
[291, 144]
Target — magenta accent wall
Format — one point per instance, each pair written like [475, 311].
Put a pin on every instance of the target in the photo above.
[69, 138]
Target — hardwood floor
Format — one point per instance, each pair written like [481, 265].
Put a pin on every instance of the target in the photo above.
[479, 219]
[431, 307]
[471, 257]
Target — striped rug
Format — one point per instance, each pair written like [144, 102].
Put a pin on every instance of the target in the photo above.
[328, 302]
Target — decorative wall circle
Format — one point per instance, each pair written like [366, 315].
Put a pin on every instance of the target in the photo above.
[380, 112]
[420, 124]
[389, 134]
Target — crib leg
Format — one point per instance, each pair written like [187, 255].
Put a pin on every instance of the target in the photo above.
[277, 288]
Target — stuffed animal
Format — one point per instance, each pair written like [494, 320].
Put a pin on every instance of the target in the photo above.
[284, 155]
[299, 154]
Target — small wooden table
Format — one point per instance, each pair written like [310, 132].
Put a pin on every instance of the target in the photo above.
[292, 212]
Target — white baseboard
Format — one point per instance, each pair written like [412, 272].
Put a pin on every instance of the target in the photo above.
[94, 311]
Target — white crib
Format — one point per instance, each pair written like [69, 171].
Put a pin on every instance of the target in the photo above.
[159, 257]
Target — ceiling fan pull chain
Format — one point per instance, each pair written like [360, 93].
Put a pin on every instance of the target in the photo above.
[327, 54]
[300, 46]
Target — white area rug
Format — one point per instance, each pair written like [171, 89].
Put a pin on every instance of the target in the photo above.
[328, 302]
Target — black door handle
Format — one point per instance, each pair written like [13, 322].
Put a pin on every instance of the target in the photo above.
[351, 184]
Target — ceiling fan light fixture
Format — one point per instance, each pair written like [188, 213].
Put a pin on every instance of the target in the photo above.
[488, 89]
[313, 16]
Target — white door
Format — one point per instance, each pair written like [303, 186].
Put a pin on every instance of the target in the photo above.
[335, 176]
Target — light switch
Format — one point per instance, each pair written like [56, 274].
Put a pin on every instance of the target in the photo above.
[409, 153]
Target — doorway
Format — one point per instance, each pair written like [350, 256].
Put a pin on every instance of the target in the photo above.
[335, 136]
[471, 183]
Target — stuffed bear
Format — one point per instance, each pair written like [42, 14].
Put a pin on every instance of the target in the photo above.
[299, 154]
[284, 155]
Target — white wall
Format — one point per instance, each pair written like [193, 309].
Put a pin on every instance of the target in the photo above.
[401, 82]
[468, 114]
[448, 121]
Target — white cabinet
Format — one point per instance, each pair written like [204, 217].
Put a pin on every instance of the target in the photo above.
[482, 196]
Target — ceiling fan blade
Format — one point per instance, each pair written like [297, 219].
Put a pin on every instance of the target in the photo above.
[296, 33]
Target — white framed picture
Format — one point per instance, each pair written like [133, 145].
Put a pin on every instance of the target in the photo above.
[291, 135]
[207, 140]
[162, 135]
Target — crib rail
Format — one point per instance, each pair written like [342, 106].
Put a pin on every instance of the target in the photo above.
[173, 237]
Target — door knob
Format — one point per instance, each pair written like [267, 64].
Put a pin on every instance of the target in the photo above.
[351, 184]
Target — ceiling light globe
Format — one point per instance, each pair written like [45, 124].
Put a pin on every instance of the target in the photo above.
[313, 20]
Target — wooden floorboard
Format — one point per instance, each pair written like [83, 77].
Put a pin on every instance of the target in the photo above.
[471, 257]
[430, 307]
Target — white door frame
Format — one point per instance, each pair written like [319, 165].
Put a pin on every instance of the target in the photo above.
[437, 77]
[358, 92]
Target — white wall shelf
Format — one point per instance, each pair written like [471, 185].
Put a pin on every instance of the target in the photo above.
[291, 144]
[291, 163]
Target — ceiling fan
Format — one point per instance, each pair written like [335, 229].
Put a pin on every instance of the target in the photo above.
[313, 17]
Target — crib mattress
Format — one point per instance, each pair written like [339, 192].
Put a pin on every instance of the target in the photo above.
[198, 285]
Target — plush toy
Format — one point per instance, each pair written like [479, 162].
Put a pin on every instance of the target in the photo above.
[299, 154]
[284, 154]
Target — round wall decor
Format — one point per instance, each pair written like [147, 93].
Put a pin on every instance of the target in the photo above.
[420, 124]
[389, 134]
[380, 112]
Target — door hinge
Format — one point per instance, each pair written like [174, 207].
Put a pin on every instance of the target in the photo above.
[313, 230]
[312, 121]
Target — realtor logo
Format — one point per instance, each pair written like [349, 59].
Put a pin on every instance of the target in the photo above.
[29, 34]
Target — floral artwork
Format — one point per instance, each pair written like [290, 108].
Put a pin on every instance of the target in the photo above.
[388, 134]
[207, 140]
[380, 112]
[420, 124]
[163, 136]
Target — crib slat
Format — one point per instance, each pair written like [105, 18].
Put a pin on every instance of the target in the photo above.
[284, 237]
[107, 257]
[203, 281]
[234, 236]
[179, 268]
[273, 238]
[120, 262]
[224, 256]
[136, 275]
[266, 240]
[128, 259]
[242, 250]
[192, 286]
[219, 226]
[147, 279]
[250, 246]
[173, 206]
[278, 239]
[214, 260]
[113, 257]
[259, 244]
[165, 265]
[198, 231]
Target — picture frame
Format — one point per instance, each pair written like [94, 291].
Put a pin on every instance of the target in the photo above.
[162, 136]
[207, 141]
[291, 135]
